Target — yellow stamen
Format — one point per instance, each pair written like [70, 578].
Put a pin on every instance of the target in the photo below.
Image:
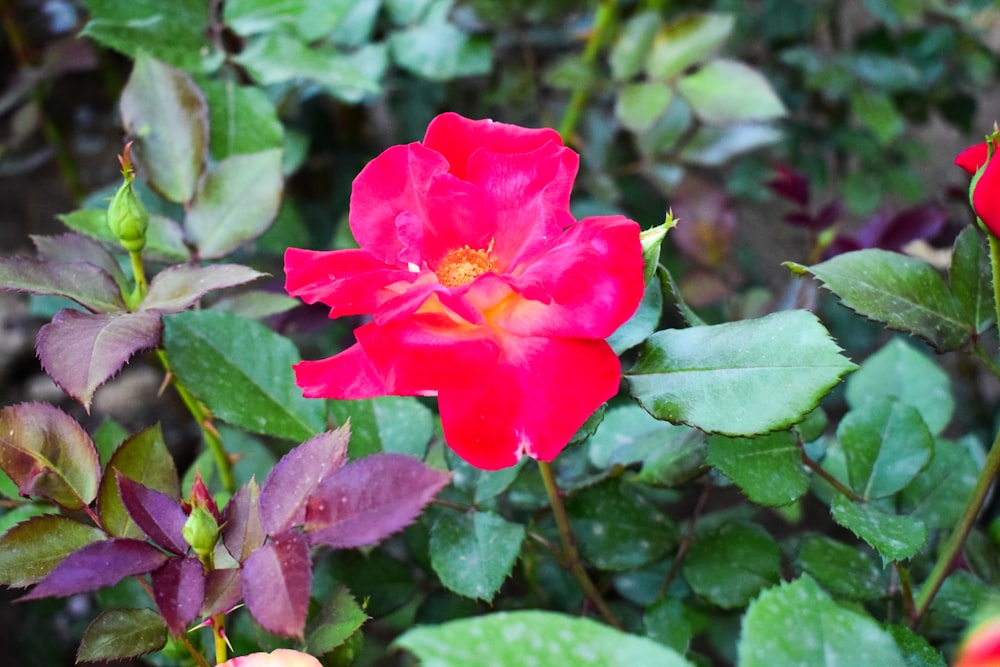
[463, 265]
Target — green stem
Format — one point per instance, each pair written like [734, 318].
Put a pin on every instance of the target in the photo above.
[141, 286]
[957, 539]
[995, 268]
[208, 432]
[827, 477]
[602, 19]
[571, 555]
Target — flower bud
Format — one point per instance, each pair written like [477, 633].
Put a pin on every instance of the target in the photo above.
[128, 218]
[201, 530]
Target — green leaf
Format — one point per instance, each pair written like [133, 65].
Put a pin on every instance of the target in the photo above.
[440, 51]
[143, 458]
[235, 203]
[478, 485]
[279, 56]
[666, 621]
[242, 371]
[644, 322]
[32, 548]
[970, 280]
[164, 237]
[472, 553]
[505, 639]
[963, 595]
[122, 633]
[768, 468]
[338, 619]
[799, 624]
[732, 562]
[628, 54]
[726, 91]
[640, 104]
[242, 119]
[617, 528]
[878, 113]
[894, 537]
[939, 494]
[247, 17]
[904, 293]
[166, 113]
[900, 372]
[720, 378]
[843, 570]
[48, 454]
[391, 424]
[886, 444]
[915, 649]
[176, 33]
[687, 41]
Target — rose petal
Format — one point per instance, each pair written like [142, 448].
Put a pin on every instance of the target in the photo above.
[541, 392]
[346, 375]
[428, 352]
[986, 196]
[972, 158]
[593, 276]
[351, 282]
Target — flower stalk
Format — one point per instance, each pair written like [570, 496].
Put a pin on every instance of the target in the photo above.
[570, 553]
[602, 20]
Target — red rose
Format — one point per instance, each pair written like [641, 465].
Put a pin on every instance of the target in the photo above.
[482, 287]
[984, 193]
[982, 647]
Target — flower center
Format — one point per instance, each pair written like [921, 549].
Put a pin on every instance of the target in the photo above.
[463, 265]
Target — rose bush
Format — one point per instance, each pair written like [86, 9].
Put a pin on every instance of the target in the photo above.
[984, 192]
[482, 287]
[281, 657]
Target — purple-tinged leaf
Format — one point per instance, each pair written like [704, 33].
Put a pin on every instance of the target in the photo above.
[918, 222]
[790, 184]
[143, 458]
[829, 214]
[98, 565]
[33, 548]
[276, 580]
[166, 112]
[293, 479]
[67, 248]
[160, 516]
[90, 286]
[48, 454]
[223, 591]
[177, 288]
[122, 633]
[82, 351]
[369, 499]
[242, 531]
[179, 590]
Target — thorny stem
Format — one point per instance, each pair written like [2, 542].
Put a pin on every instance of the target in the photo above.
[686, 541]
[602, 20]
[208, 431]
[986, 476]
[570, 553]
[827, 477]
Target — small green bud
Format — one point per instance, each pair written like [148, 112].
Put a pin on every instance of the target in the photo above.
[201, 530]
[128, 218]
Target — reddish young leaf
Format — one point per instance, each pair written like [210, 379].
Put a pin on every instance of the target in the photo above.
[223, 591]
[63, 248]
[176, 288]
[98, 565]
[290, 483]
[48, 454]
[88, 285]
[369, 499]
[82, 351]
[242, 532]
[160, 516]
[276, 580]
[179, 590]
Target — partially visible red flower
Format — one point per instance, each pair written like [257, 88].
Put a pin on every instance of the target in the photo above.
[482, 288]
[982, 647]
[281, 657]
[980, 162]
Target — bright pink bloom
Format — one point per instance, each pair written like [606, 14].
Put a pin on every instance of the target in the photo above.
[985, 188]
[982, 647]
[281, 657]
[482, 288]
